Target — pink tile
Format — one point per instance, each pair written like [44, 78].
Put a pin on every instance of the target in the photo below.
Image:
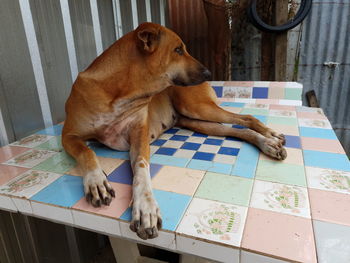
[118, 205]
[294, 156]
[107, 164]
[8, 152]
[239, 83]
[330, 206]
[8, 172]
[311, 115]
[279, 235]
[282, 107]
[322, 145]
[284, 129]
[276, 93]
[277, 84]
[266, 101]
[179, 180]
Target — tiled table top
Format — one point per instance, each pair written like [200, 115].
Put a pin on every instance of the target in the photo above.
[220, 197]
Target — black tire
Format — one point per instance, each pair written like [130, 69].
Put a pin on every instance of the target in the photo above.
[304, 9]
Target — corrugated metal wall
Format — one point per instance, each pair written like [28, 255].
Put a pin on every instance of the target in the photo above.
[44, 44]
[326, 42]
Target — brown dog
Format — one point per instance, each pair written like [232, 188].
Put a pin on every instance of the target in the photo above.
[125, 100]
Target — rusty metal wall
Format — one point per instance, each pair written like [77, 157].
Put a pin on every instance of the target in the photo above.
[324, 62]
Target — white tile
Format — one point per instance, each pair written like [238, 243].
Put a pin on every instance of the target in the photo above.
[53, 213]
[327, 179]
[332, 242]
[184, 132]
[153, 149]
[33, 140]
[310, 109]
[96, 223]
[223, 158]
[164, 240]
[23, 205]
[196, 139]
[7, 204]
[183, 153]
[215, 137]
[249, 257]
[173, 144]
[232, 144]
[28, 183]
[315, 123]
[214, 221]
[291, 102]
[30, 158]
[280, 198]
[283, 113]
[207, 250]
[209, 148]
[165, 136]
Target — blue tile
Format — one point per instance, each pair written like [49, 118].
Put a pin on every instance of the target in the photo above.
[222, 168]
[124, 175]
[166, 151]
[260, 93]
[213, 141]
[247, 161]
[232, 104]
[158, 142]
[318, 133]
[169, 160]
[327, 160]
[172, 207]
[203, 156]
[181, 138]
[229, 151]
[66, 191]
[261, 118]
[53, 131]
[218, 91]
[292, 141]
[238, 126]
[172, 131]
[191, 146]
[200, 165]
[197, 134]
[103, 151]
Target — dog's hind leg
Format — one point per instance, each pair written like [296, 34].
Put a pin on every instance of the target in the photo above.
[269, 146]
[198, 102]
[97, 189]
[146, 218]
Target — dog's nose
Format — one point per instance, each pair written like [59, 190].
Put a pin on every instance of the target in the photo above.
[206, 74]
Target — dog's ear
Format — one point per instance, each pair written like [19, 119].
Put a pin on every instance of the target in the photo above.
[148, 38]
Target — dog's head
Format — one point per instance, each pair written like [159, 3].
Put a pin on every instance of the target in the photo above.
[166, 55]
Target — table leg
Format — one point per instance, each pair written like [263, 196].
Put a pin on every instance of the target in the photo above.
[125, 251]
[184, 258]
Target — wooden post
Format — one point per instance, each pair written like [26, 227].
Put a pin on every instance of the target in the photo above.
[281, 16]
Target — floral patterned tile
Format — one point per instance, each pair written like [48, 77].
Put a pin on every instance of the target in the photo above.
[33, 140]
[327, 179]
[237, 92]
[54, 144]
[314, 123]
[283, 113]
[59, 163]
[214, 221]
[29, 183]
[7, 152]
[8, 172]
[281, 198]
[30, 158]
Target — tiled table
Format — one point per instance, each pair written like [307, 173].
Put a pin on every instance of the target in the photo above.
[220, 197]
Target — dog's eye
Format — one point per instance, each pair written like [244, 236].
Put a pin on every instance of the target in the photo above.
[179, 50]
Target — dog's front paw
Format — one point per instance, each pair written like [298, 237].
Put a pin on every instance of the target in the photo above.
[276, 136]
[146, 218]
[97, 189]
[273, 148]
